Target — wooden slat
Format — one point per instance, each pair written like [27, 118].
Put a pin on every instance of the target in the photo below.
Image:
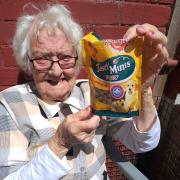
[174, 32]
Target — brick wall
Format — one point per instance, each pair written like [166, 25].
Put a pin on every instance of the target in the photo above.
[109, 18]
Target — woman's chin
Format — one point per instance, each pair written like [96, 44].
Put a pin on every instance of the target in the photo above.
[58, 96]
[56, 91]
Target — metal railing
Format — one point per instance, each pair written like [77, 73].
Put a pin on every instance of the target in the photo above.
[125, 166]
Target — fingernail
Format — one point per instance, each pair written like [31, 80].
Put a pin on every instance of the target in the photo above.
[127, 38]
[150, 33]
[140, 27]
[89, 109]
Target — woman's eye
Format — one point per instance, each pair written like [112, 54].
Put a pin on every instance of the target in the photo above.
[39, 58]
[45, 57]
[63, 57]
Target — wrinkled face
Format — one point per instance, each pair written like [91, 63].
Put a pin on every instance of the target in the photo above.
[56, 83]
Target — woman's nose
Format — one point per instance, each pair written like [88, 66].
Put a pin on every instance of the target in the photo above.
[55, 69]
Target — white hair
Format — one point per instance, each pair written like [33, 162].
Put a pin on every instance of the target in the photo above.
[56, 16]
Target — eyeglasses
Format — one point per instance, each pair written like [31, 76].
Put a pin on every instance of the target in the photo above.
[44, 63]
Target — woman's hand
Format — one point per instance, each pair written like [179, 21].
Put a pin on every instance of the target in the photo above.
[155, 55]
[154, 50]
[77, 128]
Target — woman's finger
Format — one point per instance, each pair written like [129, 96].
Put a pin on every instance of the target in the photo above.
[89, 137]
[90, 124]
[162, 55]
[160, 59]
[151, 33]
[155, 38]
[131, 33]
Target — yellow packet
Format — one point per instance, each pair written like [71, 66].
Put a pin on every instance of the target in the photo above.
[114, 72]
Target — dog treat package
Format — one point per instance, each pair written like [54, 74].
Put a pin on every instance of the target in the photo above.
[114, 72]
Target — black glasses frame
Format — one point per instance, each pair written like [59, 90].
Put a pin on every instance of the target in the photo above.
[59, 56]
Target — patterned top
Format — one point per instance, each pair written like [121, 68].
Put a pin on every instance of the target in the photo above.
[27, 123]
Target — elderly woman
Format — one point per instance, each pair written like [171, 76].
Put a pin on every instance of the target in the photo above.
[48, 130]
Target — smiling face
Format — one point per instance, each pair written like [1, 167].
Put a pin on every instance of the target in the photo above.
[54, 84]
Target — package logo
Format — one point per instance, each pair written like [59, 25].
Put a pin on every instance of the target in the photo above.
[117, 69]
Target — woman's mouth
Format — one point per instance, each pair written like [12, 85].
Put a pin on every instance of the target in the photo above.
[55, 82]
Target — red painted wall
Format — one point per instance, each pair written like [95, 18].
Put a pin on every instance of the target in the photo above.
[109, 18]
